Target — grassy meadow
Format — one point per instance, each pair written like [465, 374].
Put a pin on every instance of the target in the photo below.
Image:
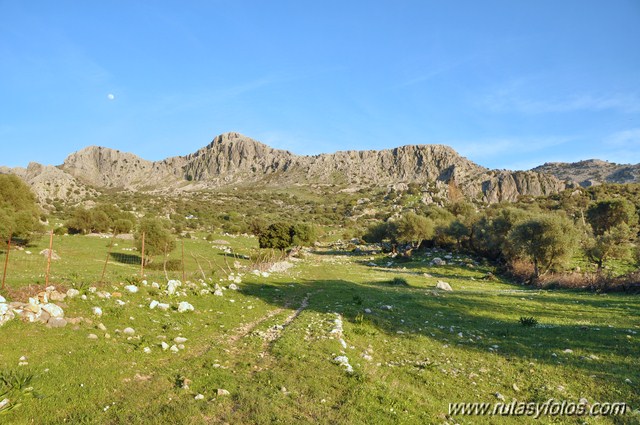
[272, 351]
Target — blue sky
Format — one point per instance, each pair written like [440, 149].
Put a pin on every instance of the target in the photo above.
[508, 84]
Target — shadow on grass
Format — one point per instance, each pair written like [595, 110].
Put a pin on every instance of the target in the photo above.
[125, 258]
[441, 316]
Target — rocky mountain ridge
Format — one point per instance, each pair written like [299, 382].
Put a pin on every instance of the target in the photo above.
[233, 159]
[592, 172]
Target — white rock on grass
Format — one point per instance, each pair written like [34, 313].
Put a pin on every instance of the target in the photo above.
[222, 391]
[184, 306]
[97, 311]
[179, 340]
[164, 346]
[174, 348]
[155, 285]
[444, 286]
[4, 403]
[344, 362]
[53, 310]
[199, 397]
[129, 331]
[153, 304]
[218, 292]
[131, 288]
[147, 350]
[72, 293]
[2, 299]
[163, 306]
[233, 287]
[92, 336]
[172, 286]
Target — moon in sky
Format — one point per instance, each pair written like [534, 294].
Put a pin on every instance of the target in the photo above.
[110, 96]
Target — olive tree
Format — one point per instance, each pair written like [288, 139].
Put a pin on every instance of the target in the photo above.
[548, 241]
[157, 238]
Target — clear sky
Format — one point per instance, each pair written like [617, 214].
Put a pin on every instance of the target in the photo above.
[508, 84]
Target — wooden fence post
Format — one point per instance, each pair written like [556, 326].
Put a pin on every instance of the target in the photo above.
[142, 259]
[183, 272]
[46, 279]
[104, 269]
[6, 261]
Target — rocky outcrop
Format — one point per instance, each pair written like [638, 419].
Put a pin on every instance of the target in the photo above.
[592, 172]
[110, 168]
[233, 159]
[49, 183]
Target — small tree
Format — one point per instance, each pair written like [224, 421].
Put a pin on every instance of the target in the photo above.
[277, 236]
[80, 221]
[122, 226]
[158, 239]
[19, 212]
[612, 244]
[548, 240]
[413, 228]
[605, 215]
[458, 231]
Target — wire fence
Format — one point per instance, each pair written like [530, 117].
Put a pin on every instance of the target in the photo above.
[77, 260]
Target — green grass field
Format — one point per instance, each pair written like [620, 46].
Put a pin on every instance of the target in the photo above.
[413, 349]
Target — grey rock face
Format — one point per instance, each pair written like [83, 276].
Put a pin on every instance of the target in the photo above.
[592, 172]
[233, 159]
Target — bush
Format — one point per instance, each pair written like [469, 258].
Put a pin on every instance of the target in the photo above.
[171, 265]
[528, 322]
[399, 281]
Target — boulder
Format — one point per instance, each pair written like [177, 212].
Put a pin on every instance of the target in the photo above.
[53, 310]
[57, 322]
[444, 286]
[184, 306]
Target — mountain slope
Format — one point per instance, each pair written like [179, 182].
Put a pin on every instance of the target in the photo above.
[592, 172]
[233, 159]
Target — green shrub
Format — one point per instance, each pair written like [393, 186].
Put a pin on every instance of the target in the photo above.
[528, 322]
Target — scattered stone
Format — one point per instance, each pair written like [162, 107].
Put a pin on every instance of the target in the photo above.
[97, 311]
[444, 286]
[437, 261]
[163, 306]
[568, 351]
[174, 348]
[515, 387]
[155, 285]
[280, 266]
[147, 350]
[367, 310]
[583, 401]
[153, 304]
[387, 307]
[179, 340]
[344, 361]
[499, 396]
[53, 310]
[72, 293]
[57, 322]
[184, 306]
[233, 287]
[129, 331]
[164, 346]
[218, 292]
[92, 336]
[172, 286]
[628, 381]
[45, 253]
[223, 392]
[199, 397]
[131, 288]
